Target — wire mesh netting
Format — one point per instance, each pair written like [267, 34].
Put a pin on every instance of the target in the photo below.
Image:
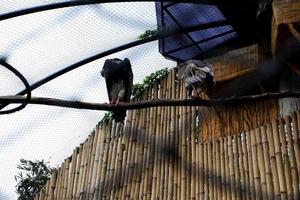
[61, 49]
[43, 43]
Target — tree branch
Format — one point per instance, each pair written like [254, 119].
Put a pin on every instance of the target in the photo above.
[148, 104]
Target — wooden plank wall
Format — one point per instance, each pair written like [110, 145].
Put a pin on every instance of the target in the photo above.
[220, 121]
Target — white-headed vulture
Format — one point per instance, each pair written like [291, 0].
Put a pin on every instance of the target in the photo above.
[197, 76]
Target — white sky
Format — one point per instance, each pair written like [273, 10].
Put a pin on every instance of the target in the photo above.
[42, 43]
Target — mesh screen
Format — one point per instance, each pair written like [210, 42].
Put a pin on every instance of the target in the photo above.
[40, 44]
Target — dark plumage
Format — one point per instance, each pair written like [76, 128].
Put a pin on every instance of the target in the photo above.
[119, 80]
[197, 76]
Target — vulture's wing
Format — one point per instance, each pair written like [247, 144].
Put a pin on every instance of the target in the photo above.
[128, 80]
[106, 72]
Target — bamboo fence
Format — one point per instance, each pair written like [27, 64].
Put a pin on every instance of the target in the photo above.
[159, 154]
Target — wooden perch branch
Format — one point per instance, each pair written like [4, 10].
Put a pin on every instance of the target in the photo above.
[147, 104]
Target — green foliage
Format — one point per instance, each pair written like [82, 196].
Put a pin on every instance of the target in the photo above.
[147, 33]
[149, 80]
[36, 173]
[105, 118]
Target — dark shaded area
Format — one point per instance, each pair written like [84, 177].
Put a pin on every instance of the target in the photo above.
[248, 22]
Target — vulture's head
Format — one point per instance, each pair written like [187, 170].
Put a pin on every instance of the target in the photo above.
[113, 66]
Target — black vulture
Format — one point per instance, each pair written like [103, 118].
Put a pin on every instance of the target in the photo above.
[119, 80]
[197, 76]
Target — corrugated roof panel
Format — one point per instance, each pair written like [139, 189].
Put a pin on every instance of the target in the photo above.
[212, 43]
[194, 14]
[208, 33]
[185, 54]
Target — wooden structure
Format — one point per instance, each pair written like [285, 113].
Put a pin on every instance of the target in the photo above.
[245, 151]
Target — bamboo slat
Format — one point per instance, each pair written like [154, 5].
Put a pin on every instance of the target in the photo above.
[292, 159]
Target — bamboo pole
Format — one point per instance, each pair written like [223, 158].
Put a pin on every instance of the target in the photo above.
[209, 169]
[214, 171]
[265, 144]
[77, 170]
[66, 178]
[87, 166]
[119, 161]
[80, 191]
[106, 184]
[206, 174]
[285, 157]
[111, 162]
[218, 167]
[292, 159]
[60, 171]
[202, 170]
[251, 177]
[52, 184]
[126, 154]
[72, 174]
[183, 152]
[227, 169]
[278, 156]
[131, 176]
[179, 86]
[246, 166]
[147, 157]
[91, 164]
[237, 167]
[139, 151]
[241, 166]
[180, 137]
[256, 175]
[103, 174]
[98, 143]
[102, 136]
[193, 155]
[164, 177]
[153, 150]
[158, 143]
[123, 154]
[155, 123]
[295, 131]
[231, 168]
[174, 131]
[166, 146]
[189, 152]
[47, 190]
[47, 195]
[273, 162]
[261, 165]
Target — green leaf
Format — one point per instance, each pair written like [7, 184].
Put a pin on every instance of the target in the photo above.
[36, 175]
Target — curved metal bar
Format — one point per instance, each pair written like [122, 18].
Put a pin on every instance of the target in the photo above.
[117, 49]
[25, 82]
[89, 2]
[121, 48]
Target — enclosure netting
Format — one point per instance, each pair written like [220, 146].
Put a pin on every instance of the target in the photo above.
[40, 44]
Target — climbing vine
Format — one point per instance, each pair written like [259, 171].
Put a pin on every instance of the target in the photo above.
[147, 33]
[149, 80]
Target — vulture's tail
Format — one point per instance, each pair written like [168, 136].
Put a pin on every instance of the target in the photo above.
[119, 116]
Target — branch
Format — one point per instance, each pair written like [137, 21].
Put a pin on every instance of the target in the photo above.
[148, 104]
